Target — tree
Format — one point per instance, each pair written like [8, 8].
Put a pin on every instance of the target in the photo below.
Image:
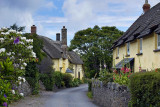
[93, 45]
[17, 28]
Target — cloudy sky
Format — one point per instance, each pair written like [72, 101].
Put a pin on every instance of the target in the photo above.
[50, 15]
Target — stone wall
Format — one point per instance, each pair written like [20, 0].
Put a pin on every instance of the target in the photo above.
[23, 88]
[110, 95]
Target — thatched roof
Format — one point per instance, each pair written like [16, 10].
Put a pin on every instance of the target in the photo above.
[146, 24]
[54, 50]
[74, 58]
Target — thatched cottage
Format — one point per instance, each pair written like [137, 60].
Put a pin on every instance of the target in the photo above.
[59, 57]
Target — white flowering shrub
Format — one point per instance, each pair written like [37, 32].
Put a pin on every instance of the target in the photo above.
[17, 48]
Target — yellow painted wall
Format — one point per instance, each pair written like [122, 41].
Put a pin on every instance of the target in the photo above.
[64, 63]
[149, 60]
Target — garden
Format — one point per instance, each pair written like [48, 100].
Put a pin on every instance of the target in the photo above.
[20, 53]
[143, 86]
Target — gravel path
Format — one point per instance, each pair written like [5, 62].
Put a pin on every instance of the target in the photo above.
[71, 97]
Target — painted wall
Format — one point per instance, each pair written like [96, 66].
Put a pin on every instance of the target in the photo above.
[64, 63]
[148, 61]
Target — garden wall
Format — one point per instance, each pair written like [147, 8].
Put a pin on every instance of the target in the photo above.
[24, 88]
[110, 95]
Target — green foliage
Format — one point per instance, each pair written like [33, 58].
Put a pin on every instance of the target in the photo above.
[32, 76]
[89, 85]
[67, 78]
[145, 89]
[90, 94]
[37, 46]
[48, 80]
[93, 44]
[105, 76]
[17, 28]
[75, 82]
[58, 78]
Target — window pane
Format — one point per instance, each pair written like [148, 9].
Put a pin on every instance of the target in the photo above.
[158, 41]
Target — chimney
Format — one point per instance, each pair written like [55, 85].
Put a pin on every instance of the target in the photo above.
[33, 29]
[64, 36]
[57, 36]
[146, 6]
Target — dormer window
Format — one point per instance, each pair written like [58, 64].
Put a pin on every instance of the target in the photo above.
[158, 41]
[128, 48]
[141, 45]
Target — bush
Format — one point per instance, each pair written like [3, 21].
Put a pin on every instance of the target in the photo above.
[145, 89]
[89, 85]
[106, 77]
[58, 78]
[67, 78]
[75, 82]
[32, 76]
[90, 94]
[48, 80]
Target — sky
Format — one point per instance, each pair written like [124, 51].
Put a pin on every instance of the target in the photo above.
[51, 15]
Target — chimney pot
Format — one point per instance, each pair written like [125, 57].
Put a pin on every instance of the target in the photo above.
[146, 6]
[57, 36]
[33, 29]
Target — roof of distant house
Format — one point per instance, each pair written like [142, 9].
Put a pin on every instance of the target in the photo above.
[146, 24]
[53, 49]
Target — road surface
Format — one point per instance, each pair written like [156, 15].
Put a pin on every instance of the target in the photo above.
[71, 97]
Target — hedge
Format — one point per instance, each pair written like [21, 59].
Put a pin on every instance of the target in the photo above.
[145, 89]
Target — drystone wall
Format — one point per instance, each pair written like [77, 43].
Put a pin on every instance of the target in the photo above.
[110, 95]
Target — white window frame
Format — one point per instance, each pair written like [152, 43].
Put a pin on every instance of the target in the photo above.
[117, 51]
[128, 48]
[158, 45]
[140, 45]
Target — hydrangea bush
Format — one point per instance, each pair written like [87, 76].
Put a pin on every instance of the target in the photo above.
[15, 52]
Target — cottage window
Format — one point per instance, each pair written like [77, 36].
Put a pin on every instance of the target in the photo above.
[158, 41]
[128, 48]
[141, 45]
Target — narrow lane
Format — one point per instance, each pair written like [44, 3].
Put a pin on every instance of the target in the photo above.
[71, 97]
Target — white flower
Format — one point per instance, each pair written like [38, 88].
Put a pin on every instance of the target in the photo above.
[25, 64]
[13, 91]
[23, 38]
[7, 33]
[2, 50]
[19, 32]
[21, 94]
[9, 53]
[29, 47]
[12, 31]
[21, 42]
[13, 53]
[12, 57]
[11, 38]
[24, 80]
[22, 68]
[20, 82]
[29, 40]
[19, 78]
[1, 39]
[34, 54]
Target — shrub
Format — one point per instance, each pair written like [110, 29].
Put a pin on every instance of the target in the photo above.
[67, 78]
[145, 89]
[58, 78]
[105, 77]
[75, 82]
[89, 85]
[48, 80]
[32, 76]
[90, 94]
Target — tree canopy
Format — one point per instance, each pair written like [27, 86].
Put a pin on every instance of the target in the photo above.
[93, 45]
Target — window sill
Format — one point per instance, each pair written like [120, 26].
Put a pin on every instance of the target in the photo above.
[127, 56]
[157, 50]
[117, 57]
[139, 54]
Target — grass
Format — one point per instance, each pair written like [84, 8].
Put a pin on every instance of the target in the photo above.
[90, 95]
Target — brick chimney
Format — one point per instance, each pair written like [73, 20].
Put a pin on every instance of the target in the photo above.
[146, 6]
[64, 36]
[57, 36]
[33, 29]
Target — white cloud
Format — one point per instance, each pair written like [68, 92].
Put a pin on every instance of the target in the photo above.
[50, 5]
